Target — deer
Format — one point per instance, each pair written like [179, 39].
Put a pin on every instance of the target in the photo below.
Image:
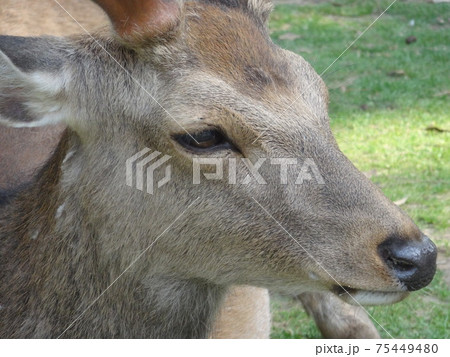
[246, 310]
[190, 79]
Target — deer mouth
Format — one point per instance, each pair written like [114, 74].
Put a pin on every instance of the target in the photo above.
[368, 297]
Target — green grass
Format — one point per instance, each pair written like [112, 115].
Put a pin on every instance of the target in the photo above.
[425, 314]
[384, 95]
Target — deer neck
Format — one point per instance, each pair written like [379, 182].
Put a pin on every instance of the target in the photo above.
[58, 278]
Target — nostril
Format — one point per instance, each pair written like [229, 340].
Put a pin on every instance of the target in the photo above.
[400, 261]
[412, 263]
[401, 264]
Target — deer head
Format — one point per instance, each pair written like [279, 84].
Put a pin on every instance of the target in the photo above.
[203, 80]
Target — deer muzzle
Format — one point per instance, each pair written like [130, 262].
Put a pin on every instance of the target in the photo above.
[413, 263]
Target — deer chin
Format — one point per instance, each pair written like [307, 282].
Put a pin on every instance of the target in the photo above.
[366, 297]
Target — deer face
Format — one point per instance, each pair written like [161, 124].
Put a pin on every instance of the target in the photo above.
[205, 85]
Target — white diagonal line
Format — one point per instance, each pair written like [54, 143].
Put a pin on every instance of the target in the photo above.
[123, 68]
[129, 266]
[331, 65]
[321, 266]
[345, 51]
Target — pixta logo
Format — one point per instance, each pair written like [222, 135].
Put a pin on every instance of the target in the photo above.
[144, 164]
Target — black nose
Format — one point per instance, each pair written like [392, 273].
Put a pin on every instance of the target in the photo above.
[413, 263]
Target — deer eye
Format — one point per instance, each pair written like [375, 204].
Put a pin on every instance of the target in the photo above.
[207, 140]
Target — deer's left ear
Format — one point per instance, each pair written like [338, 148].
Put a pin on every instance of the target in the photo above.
[32, 81]
[261, 8]
[137, 21]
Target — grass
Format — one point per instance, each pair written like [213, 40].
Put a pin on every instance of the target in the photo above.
[389, 103]
[425, 314]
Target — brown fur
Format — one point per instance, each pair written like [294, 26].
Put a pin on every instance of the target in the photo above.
[56, 262]
[245, 314]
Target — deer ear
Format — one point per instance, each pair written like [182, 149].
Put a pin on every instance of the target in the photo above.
[138, 20]
[262, 9]
[31, 81]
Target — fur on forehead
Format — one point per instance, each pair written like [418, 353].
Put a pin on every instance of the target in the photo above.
[168, 45]
[234, 44]
[213, 27]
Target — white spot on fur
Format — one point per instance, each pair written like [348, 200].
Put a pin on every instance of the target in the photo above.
[313, 276]
[68, 156]
[35, 234]
[47, 82]
[60, 211]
